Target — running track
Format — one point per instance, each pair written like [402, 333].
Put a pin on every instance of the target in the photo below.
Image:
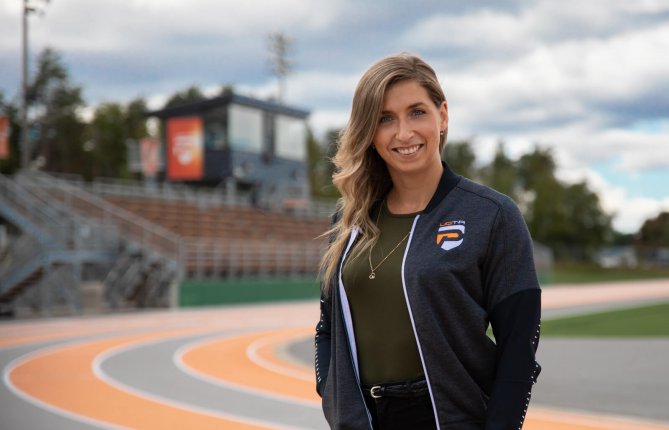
[217, 368]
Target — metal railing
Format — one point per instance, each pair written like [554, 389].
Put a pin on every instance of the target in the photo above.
[197, 258]
[239, 258]
[30, 214]
[147, 236]
[52, 237]
[213, 197]
[25, 257]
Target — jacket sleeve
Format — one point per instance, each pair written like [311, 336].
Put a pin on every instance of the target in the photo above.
[323, 328]
[516, 325]
[323, 345]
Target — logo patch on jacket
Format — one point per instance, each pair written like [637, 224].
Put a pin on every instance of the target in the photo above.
[450, 234]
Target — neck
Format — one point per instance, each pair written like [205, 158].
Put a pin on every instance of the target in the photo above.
[412, 193]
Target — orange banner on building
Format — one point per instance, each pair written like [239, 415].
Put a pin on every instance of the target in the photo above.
[185, 146]
[4, 137]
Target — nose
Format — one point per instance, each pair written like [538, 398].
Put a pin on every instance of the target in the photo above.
[404, 130]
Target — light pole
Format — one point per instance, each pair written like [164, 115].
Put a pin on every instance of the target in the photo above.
[280, 47]
[25, 142]
[25, 150]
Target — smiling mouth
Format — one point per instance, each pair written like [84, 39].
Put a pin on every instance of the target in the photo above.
[408, 150]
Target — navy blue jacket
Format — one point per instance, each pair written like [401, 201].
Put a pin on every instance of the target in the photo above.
[468, 265]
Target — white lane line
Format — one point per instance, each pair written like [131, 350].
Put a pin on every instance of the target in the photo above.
[194, 373]
[11, 366]
[100, 374]
[254, 356]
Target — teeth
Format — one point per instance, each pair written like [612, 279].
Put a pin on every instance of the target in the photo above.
[408, 150]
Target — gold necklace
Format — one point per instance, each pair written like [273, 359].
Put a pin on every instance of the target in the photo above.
[372, 269]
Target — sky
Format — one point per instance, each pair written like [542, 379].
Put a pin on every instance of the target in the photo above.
[587, 78]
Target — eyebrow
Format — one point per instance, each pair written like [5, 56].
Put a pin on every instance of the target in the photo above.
[411, 106]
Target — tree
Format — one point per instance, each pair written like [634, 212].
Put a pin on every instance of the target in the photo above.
[588, 226]
[320, 164]
[655, 231]
[502, 174]
[226, 90]
[568, 218]
[135, 119]
[107, 144]
[460, 158]
[542, 197]
[536, 167]
[189, 95]
[57, 129]
[113, 125]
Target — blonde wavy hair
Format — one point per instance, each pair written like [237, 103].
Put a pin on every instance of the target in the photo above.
[361, 175]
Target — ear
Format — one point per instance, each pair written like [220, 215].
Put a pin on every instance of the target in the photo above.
[443, 115]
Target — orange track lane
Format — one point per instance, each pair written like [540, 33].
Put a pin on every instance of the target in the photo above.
[64, 378]
[20, 334]
[278, 376]
[205, 359]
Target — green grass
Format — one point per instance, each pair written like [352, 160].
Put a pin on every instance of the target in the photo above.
[574, 273]
[643, 321]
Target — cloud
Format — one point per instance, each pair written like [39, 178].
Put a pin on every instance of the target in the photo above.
[585, 77]
[630, 213]
[499, 33]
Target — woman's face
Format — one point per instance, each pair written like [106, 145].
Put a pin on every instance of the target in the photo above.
[408, 131]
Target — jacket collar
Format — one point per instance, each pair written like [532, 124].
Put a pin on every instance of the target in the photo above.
[447, 182]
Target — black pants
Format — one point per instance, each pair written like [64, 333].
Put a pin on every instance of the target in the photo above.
[401, 413]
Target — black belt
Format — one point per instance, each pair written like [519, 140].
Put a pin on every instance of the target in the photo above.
[397, 389]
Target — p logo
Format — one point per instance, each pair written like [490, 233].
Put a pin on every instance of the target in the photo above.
[450, 234]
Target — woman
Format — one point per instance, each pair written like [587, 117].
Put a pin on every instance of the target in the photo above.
[420, 262]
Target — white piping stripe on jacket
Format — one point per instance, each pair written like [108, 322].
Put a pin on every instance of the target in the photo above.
[346, 309]
[413, 324]
[348, 321]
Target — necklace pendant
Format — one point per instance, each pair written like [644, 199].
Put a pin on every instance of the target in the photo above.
[372, 275]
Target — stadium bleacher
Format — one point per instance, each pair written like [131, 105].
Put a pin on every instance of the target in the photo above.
[230, 240]
[162, 238]
[222, 222]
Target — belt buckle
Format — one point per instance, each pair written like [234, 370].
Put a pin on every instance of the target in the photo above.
[375, 389]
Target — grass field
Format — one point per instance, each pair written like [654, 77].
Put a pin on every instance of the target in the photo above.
[575, 273]
[642, 321]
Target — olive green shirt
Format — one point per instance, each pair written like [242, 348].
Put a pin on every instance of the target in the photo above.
[384, 337]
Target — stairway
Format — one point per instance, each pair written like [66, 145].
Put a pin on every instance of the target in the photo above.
[63, 225]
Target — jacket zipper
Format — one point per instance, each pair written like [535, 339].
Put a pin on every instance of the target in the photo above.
[413, 324]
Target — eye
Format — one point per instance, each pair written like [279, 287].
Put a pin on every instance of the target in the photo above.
[385, 118]
[417, 112]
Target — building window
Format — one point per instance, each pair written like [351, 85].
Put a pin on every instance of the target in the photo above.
[290, 138]
[245, 128]
[214, 129]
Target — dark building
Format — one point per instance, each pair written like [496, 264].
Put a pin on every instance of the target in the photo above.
[254, 145]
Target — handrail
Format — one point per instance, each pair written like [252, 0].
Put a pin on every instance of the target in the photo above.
[192, 257]
[49, 233]
[173, 191]
[143, 233]
[25, 249]
[41, 219]
[84, 233]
